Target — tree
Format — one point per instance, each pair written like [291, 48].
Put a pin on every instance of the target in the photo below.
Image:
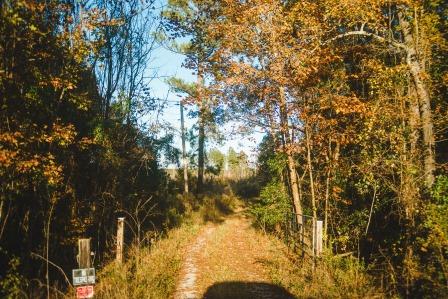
[65, 173]
[347, 100]
[124, 51]
[185, 19]
[216, 160]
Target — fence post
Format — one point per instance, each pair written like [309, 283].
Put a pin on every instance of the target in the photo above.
[314, 235]
[318, 246]
[120, 240]
[83, 253]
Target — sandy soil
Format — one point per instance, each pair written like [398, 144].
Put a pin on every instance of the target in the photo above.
[229, 260]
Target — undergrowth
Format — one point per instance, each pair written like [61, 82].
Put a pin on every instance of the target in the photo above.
[331, 277]
[147, 272]
[215, 208]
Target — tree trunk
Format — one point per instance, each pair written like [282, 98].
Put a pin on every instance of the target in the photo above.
[310, 171]
[291, 163]
[108, 95]
[421, 89]
[327, 193]
[201, 141]
[414, 122]
[184, 155]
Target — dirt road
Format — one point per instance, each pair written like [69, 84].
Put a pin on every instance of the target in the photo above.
[229, 260]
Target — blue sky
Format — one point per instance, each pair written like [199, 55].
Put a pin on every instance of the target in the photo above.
[169, 64]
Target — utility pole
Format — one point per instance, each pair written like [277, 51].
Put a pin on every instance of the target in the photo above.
[184, 154]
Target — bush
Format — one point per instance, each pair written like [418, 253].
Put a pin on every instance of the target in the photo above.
[246, 188]
[215, 208]
[272, 206]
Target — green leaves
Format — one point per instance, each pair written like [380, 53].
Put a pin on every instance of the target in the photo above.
[440, 190]
[273, 206]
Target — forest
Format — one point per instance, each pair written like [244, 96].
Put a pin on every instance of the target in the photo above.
[350, 95]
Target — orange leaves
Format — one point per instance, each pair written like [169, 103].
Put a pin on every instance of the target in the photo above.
[11, 138]
[355, 11]
[9, 143]
[6, 157]
[27, 152]
[59, 83]
[64, 135]
[52, 172]
[30, 165]
[348, 105]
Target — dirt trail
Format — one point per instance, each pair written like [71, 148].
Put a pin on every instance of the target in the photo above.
[229, 260]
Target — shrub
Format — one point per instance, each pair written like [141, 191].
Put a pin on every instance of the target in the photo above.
[272, 206]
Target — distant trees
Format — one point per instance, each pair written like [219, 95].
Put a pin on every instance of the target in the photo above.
[216, 161]
[185, 19]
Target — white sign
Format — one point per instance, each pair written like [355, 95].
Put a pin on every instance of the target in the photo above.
[83, 276]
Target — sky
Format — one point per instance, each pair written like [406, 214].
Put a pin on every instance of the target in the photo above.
[168, 64]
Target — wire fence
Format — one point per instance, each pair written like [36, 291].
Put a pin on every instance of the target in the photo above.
[303, 234]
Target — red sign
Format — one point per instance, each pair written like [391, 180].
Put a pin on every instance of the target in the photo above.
[84, 292]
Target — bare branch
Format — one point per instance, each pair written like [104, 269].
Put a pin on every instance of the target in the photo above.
[54, 265]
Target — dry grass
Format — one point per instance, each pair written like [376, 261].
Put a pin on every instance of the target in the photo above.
[235, 262]
[332, 277]
[216, 208]
[148, 272]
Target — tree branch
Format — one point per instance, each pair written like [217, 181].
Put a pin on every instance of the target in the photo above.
[54, 265]
[362, 32]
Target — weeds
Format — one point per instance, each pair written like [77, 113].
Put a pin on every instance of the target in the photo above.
[149, 272]
[330, 277]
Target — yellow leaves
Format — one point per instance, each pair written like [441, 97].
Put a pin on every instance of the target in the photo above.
[445, 79]
[7, 157]
[11, 138]
[44, 166]
[86, 142]
[64, 135]
[52, 172]
[30, 165]
[348, 105]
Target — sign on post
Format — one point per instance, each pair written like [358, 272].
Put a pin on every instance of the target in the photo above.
[83, 276]
[84, 292]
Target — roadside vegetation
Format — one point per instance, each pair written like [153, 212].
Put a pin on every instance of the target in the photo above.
[351, 96]
[148, 272]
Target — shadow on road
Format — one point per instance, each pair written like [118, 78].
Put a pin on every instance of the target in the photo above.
[246, 290]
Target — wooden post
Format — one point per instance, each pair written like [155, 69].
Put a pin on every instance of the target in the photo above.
[120, 240]
[313, 237]
[83, 253]
[318, 237]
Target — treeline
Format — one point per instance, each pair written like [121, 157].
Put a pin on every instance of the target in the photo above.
[73, 156]
[353, 97]
[231, 165]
